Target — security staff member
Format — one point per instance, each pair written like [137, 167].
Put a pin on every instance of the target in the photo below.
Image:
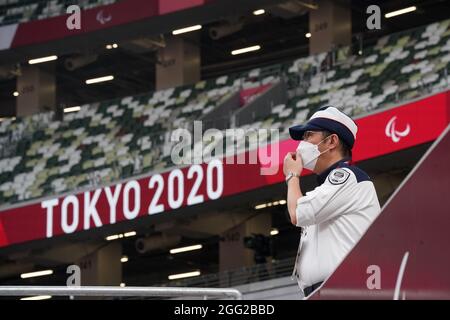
[335, 215]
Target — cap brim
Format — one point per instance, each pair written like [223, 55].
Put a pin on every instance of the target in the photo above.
[297, 132]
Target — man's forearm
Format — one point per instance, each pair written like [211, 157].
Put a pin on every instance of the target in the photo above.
[294, 193]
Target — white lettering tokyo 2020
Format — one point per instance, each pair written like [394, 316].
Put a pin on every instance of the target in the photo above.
[73, 214]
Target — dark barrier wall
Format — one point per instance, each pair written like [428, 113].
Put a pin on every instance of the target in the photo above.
[407, 246]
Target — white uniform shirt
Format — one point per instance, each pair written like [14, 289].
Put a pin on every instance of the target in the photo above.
[334, 216]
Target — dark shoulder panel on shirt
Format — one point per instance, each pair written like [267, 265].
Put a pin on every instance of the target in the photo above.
[360, 174]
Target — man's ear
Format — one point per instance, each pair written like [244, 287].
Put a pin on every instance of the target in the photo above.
[334, 141]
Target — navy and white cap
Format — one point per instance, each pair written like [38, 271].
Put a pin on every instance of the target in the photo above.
[331, 119]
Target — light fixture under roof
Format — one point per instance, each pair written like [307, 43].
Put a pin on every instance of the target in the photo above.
[270, 204]
[72, 109]
[129, 234]
[187, 29]
[112, 46]
[43, 59]
[36, 274]
[120, 235]
[184, 249]
[184, 275]
[37, 298]
[100, 79]
[245, 50]
[259, 12]
[399, 12]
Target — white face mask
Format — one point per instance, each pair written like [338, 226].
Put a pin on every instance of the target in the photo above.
[309, 153]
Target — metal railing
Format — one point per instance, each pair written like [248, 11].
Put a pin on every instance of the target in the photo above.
[99, 291]
[240, 276]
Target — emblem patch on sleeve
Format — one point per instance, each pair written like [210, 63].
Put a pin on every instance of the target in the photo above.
[338, 176]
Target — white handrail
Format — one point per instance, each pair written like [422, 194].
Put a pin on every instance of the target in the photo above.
[90, 291]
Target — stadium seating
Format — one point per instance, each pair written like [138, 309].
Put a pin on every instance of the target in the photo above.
[17, 11]
[103, 142]
[399, 67]
[111, 140]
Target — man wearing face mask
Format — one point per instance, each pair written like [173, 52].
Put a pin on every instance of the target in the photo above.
[335, 215]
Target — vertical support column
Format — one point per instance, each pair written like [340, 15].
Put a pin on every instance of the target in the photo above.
[178, 63]
[233, 253]
[103, 267]
[36, 87]
[330, 26]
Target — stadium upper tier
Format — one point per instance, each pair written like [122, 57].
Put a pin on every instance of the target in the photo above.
[112, 140]
[18, 11]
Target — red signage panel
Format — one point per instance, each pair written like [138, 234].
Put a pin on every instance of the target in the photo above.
[381, 133]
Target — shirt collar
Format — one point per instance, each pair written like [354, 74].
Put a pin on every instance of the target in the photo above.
[321, 177]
